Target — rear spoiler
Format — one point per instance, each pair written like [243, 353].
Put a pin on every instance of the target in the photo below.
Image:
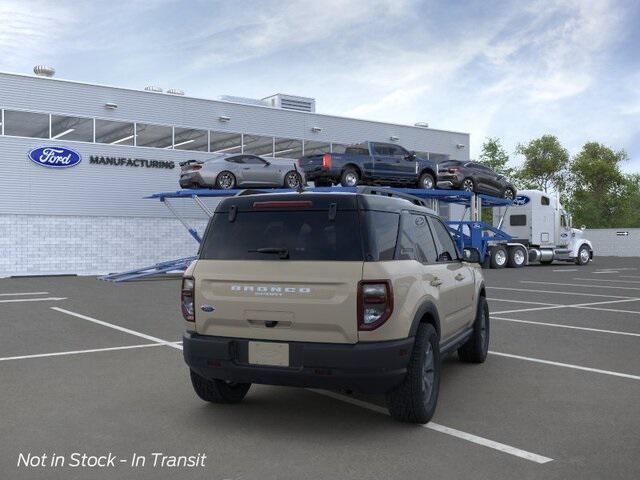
[182, 164]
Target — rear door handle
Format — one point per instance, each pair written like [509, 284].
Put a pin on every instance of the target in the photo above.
[459, 277]
[436, 282]
[247, 168]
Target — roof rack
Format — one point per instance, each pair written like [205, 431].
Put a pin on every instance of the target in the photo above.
[388, 192]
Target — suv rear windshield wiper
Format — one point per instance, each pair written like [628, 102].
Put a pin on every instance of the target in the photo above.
[283, 253]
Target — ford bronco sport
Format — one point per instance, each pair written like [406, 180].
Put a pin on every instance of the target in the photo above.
[344, 291]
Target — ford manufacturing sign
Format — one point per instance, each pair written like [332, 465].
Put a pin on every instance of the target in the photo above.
[55, 157]
[521, 200]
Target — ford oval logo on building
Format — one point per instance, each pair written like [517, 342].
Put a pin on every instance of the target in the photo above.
[521, 200]
[55, 157]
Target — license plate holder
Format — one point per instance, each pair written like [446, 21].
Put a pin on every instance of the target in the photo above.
[269, 353]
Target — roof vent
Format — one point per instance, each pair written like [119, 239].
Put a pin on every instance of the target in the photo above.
[292, 102]
[175, 91]
[153, 88]
[44, 71]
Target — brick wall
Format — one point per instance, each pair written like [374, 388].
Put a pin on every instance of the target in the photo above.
[43, 245]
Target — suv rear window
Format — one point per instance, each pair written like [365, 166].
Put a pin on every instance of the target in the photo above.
[304, 234]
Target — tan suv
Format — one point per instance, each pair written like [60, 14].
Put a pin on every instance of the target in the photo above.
[352, 291]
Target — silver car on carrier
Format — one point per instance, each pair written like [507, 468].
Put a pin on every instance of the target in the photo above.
[241, 170]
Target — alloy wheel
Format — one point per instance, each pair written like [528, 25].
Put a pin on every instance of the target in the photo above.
[428, 371]
[351, 179]
[292, 180]
[467, 185]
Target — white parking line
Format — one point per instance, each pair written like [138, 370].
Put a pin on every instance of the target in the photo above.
[629, 276]
[77, 352]
[529, 290]
[47, 299]
[23, 293]
[572, 327]
[565, 270]
[119, 328]
[576, 305]
[580, 285]
[493, 299]
[566, 365]
[469, 437]
[606, 280]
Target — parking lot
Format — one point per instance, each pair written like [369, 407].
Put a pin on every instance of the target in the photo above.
[95, 367]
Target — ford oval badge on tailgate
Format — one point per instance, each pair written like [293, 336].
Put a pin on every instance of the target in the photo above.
[55, 157]
[207, 308]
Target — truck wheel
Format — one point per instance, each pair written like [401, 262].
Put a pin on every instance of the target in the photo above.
[349, 177]
[584, 255]
[517, 257]
[498, 256]
[426, 181]
[476, 348]
[509, 194]
[415, 399]
[218, 391]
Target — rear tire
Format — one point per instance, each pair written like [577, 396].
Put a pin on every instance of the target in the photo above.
[475, 349]
[517, 257]
[350, 177]
[225, 180]
[498, 257]
[415, 399]
[426, 182]
[218, 391]
[468, 185]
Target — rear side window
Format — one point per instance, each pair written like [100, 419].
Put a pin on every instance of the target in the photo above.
[416, 242]
[518, 220]
[304, 234]
[382, 234]
[357, 150]
[447, 251]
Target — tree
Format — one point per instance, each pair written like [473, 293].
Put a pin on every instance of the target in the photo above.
[600, 194]
[494, 156]
[545, 164]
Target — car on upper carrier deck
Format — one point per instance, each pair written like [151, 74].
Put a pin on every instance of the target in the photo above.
[370, 163]
[474, 177]
[227, 171]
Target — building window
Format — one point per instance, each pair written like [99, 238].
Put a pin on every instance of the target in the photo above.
[71, 128]
[258, 145]
[222, 142]
[287, 148]
[26, 124]
[338, 148]
[114, 133]
[316, 148]
[156, 136]
[190, 139]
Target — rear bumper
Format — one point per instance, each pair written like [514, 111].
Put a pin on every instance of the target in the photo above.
[374, 367]
[189, 179]
[449, 182]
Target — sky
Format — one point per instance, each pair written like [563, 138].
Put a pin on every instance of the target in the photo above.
[514, 70]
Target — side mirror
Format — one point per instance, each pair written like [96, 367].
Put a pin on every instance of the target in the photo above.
[267, 164]
[411, 156]
[471, 255]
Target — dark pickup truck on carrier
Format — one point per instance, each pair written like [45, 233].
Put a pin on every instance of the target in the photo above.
[370, 163]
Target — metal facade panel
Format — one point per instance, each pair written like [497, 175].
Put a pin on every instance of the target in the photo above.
[103, 190]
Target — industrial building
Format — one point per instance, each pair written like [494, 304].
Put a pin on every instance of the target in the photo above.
[91, 217]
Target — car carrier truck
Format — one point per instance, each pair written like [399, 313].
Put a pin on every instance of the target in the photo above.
[541, 232]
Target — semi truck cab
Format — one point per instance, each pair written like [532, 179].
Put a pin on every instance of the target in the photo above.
[539, 222]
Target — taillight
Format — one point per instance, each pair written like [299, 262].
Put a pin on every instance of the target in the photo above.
[326, 161]
[375, 303]
[186, 299]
